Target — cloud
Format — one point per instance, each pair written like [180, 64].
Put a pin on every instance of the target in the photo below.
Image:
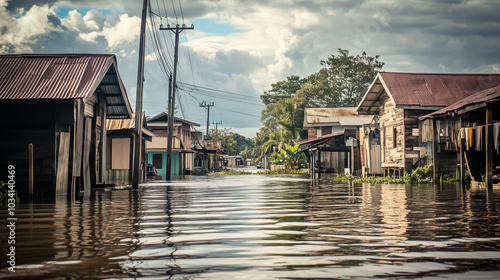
[244, 46]
[20, 34]
[123, 32]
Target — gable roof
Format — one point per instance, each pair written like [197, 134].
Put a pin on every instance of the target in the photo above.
[426, 91]
[474, 101]
[338, 116]
[162, 119]
[64, 76]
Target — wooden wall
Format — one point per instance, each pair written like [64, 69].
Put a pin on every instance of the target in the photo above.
[391, 121]
[39, 122]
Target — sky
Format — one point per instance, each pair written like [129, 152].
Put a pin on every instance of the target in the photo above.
[238, 48]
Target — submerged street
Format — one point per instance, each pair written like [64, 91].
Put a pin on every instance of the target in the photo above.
[261, 227]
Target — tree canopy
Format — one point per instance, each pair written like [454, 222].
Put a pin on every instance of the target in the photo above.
[341, 82]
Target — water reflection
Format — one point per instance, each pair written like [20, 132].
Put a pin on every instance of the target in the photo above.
[260, 227]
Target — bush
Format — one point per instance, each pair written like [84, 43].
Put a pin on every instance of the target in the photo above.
[421, 175]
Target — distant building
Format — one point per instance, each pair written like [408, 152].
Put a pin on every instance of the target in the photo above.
[59, 103]
[328, 145]
[120, 150]
[182, 154]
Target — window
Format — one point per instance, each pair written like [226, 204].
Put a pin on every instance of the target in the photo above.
[394, 137]
[158, 161]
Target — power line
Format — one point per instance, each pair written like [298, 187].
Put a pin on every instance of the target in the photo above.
[182, 14]
[175, 13]
[220, 91]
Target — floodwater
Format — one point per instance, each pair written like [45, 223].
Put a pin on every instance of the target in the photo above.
[260, 227]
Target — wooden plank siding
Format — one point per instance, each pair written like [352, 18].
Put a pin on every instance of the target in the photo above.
[391, 120]
[411, 138]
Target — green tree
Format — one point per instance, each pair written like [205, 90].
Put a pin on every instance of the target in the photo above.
[233, 142]
[348, 76]
[341, 82]
[283, 89]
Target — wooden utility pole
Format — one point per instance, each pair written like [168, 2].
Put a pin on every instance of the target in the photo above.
[170, 131]
[207, 105]
[136, 178]
[216, 126]
[177, 30]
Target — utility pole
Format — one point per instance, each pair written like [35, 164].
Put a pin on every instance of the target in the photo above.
[217, 135]
[138, 107]
[170, 130]
[216, 125]
[176, 30]
[207, 105]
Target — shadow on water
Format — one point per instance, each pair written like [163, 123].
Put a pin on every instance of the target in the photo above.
[260, 227]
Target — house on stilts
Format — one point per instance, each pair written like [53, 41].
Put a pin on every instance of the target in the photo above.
[398, 100]
[58, 104]
[466, 137]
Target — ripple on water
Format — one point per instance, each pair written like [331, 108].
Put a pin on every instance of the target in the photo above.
[263, 227]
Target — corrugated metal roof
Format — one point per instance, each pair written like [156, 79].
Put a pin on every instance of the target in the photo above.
[63, 76]
[341, 116]
[425, 89]
[128, 124]
[484, 96]
[162, 118]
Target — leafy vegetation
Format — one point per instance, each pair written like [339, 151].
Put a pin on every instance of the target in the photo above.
[421, 175]
[264, 172]
[291, 157]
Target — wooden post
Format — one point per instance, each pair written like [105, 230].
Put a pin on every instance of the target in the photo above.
[352, 156]
[434, 152]
[30, 170]
[489, 147]
[139, 95]
[319, 164]
[462, 142]
[313, 161]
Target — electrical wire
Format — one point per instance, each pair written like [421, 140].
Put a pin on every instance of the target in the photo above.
[182, 14]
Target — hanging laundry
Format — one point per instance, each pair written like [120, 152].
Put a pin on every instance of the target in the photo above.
[466, 139]
[471, 138]
[496, 137]
[462, 133]
[479, 138]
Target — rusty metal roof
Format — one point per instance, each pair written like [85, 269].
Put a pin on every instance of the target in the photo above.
[474, 101]
[338, 116]
[64, 76]
[424, 90]
[129, 124]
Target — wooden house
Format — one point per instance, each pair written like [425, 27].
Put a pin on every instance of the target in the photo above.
[121, 135]
[59, 103]
[399, 99]
[474, 137]
[330, 145]
[182, 154]
[206, 154]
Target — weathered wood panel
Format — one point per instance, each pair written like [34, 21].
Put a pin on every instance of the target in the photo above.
[87, 184]
[62, 163]
[391, 122]
[79, 123]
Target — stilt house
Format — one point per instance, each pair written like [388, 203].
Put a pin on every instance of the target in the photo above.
[59, 103]
[330, 146]
[399, 99]
[120, 149]
[474, 136]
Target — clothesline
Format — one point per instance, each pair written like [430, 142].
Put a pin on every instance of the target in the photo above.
[474, 137]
